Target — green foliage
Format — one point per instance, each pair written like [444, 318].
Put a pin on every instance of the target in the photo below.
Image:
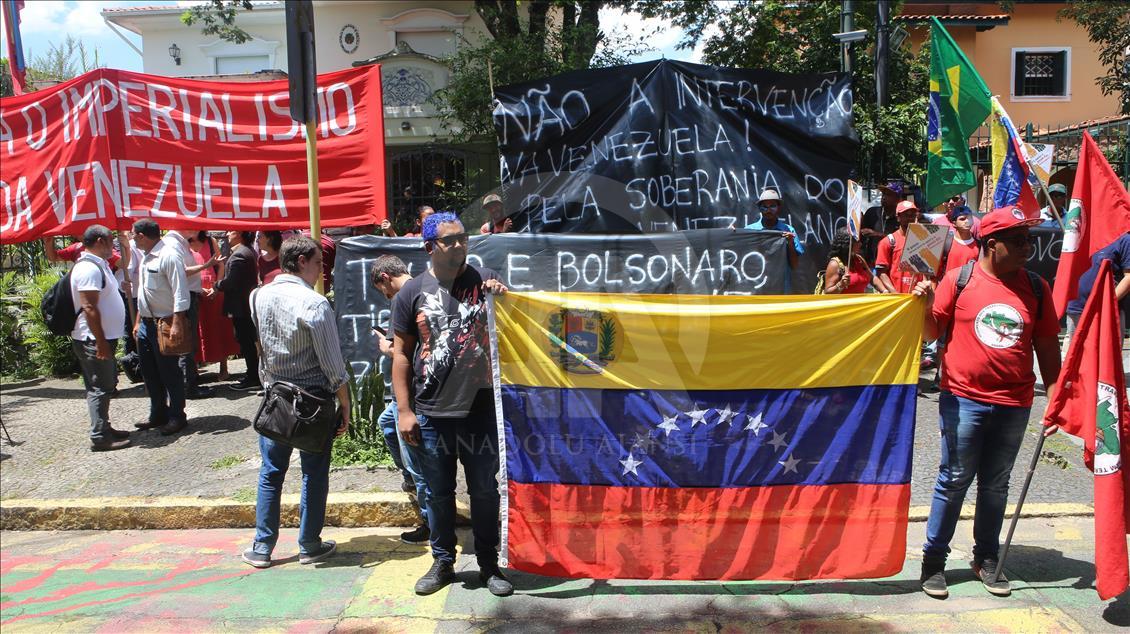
[218, 18]
[1108, 26]
[245, 495]
[12, 361]
[48, 354]
[227, 461]
[63, 61]
[796, 37]
[363, 444]
[524, 51]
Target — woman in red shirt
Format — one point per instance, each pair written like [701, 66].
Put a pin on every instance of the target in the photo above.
[849, 279]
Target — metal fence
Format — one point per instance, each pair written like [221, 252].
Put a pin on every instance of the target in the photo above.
[1112, 136]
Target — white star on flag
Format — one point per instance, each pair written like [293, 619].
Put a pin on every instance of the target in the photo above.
[789, 464]
[630, 463]
[668, 425]
[726, 415]
[697, 416]
[778, 441]
[755, 425]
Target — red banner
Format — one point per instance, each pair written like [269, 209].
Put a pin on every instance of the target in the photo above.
[111, 147]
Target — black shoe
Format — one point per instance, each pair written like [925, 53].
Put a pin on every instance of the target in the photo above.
[418, 535]
[986, 569]
[258, 560]
[439, 575]
[327, 548]
[110, 445]
[407, 485]
[149, 425]
[199, 393]
[495, 581]
[173, 427]
[244, 386]
[934, 581]
[119, 433]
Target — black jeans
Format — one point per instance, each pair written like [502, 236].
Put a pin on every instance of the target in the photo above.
[246, 337]
[187, 362]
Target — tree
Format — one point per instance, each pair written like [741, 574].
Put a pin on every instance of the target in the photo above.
[795, 37]
[554, 36]
[1108, 26]
[63, 61]
[218, 18]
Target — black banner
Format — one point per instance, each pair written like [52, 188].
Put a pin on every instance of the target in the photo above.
[668, 145]
[707, 262]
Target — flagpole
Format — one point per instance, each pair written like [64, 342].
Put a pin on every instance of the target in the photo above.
[1019, 504]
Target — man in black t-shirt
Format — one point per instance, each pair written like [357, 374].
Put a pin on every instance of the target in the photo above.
[442, 379]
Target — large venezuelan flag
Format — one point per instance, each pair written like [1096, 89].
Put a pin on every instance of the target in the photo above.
[706, 437]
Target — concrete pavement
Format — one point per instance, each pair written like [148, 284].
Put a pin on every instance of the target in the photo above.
[156, 581]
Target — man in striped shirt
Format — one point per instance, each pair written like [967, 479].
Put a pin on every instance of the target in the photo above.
[299, 344]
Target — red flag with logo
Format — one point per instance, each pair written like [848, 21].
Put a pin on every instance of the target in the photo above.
[1098, 213]
[1091, 403]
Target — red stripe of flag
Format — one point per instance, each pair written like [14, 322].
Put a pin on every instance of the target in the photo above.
[841, 531]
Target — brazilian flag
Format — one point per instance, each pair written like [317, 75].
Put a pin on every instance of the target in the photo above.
[959, 102]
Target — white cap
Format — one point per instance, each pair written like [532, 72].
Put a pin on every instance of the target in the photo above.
[769, 194]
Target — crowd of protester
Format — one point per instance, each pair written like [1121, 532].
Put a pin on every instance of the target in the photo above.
[256, 296]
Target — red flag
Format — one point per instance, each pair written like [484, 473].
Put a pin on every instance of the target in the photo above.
[1091, 403]
[1098, 213]
[10, 10]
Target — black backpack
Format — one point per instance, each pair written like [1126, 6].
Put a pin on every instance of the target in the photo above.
[58, 306]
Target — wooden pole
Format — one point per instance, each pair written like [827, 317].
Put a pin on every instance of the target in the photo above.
[312, 187]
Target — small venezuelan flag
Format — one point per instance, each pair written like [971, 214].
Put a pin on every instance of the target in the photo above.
[706, 437]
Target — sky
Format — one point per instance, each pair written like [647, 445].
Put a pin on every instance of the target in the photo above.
[47, 22]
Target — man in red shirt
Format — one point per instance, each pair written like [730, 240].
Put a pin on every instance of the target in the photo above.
[994, 324]
[963, 247]
[890, 252]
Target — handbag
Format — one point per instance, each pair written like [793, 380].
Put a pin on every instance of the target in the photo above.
[296, 417]
[167, 344]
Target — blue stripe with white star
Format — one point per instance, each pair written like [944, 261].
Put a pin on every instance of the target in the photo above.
[727, 438]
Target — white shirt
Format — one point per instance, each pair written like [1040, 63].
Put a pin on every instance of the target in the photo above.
[89, 274]
[163, 288]
[178, 242]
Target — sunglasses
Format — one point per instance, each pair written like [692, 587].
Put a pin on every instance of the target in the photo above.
[452, 240]
[1017, 240]
[769, 205]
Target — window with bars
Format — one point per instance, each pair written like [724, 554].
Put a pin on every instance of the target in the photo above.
[1040, 73]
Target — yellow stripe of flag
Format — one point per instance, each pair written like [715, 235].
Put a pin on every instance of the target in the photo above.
[702, 342]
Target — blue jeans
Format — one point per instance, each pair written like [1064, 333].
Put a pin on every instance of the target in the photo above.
[99, 377]
[402, 458]
[164, 380]
[978, 439]
[311, 506]
[472, 440]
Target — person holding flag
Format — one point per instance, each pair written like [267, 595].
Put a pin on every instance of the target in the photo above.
[1091, 403]
[994, 314]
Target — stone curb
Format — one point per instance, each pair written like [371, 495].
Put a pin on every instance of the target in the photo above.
[352, 510]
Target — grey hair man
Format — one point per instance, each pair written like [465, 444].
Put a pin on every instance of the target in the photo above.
[162, 293]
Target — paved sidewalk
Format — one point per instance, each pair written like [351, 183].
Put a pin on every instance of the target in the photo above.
[175, 581]
[217, 456]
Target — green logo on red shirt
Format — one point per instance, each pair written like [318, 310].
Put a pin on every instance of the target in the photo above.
[999, 326]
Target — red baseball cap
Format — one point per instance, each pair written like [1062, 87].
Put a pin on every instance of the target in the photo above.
[905, 205]
[1005, 218]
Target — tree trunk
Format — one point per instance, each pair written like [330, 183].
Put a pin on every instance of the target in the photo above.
[587, 33]
[500, 16]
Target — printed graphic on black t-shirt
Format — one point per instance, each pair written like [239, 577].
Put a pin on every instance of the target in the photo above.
[451, 362]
